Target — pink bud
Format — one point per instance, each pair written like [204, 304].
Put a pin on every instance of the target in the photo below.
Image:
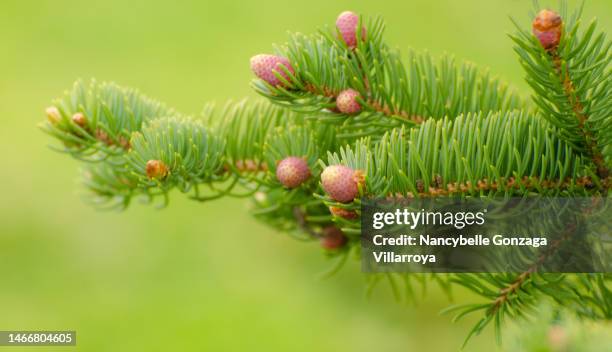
[347, 23]
[264, 66]
[292, 171]
[347, 103]
[341, 183]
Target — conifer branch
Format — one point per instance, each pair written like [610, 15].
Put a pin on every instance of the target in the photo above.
[519, 291]
[589, 139]
[571, 79]
[310, 73]
[345, 117]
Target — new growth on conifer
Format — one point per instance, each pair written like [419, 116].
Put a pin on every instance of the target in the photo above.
[344, 117]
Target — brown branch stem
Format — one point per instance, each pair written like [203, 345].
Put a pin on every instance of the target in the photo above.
[555, 244]
[376, 106]
[436, 189]
[578, 108]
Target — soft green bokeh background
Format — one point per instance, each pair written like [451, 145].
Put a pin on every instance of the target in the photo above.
[197, 276]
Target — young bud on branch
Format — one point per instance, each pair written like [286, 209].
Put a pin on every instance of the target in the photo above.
[547, 27]
[343, 213]
[341, 183]
[332, 238]
[347, 23]
[292, 171]
[53, 115]
[79, 119]
[264, 66]
[156, 169]
[347, 103]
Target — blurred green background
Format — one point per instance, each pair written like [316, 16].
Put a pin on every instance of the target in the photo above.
[197, 277]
